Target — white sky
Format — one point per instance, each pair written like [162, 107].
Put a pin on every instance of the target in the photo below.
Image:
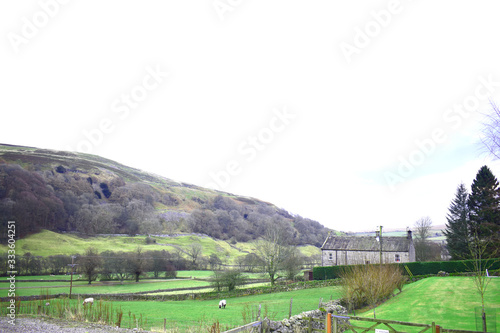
[309, 105]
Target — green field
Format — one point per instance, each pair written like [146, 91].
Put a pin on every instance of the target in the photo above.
[447, 301]
[181, 314]
[187, 279]
[48, 243]
[82, 287]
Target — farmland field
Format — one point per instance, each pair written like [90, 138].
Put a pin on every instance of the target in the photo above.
[239, 310]
[187, 279]
[448, 301]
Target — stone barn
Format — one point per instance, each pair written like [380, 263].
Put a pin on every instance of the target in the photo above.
[352, 250]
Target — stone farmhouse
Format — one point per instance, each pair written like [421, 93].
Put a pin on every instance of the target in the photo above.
[352, 250]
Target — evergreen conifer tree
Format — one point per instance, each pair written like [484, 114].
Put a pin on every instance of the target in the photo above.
[484, 207]
[456, 232]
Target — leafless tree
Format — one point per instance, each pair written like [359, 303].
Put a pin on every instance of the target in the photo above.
[194, 251]
[274, 248]
[90, 263]
[422, 234]
[491, 132]
[137, 263]
[477, 248]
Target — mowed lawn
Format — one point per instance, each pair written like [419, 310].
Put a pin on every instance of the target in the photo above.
[448, 301]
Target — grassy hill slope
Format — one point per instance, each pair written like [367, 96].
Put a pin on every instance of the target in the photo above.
[48, 243]
[66, 191]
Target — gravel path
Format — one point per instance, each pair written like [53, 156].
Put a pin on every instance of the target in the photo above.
[39, 325]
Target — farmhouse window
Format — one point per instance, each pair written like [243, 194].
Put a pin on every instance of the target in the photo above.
[331, 256]
[397, 258]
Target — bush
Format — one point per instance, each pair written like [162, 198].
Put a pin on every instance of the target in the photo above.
[170, 272]
[363, 285]
[227, 280]
[150, 240]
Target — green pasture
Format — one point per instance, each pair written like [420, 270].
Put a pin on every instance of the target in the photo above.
[447, 301]
[47, 243]
[82, 287]
[196, 312]
[193, 313]
[190, 279]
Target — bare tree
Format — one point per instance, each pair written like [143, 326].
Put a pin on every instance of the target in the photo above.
[422, 234]
[89, 263]
[137, 263]
[274, 248]
[477, 248]
[491, 132]
[194, 251]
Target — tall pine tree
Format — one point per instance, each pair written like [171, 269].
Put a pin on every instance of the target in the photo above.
[484, 207]
[457, 227]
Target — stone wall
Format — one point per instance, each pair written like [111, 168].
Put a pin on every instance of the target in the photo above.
[300, 323]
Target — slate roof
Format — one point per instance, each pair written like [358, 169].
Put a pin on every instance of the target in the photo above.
[367, 243]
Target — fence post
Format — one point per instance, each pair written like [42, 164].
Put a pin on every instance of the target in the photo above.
[433, 325]
[334, 324]
[164, 324]
[328, 323]
[290, 312]
[309, 330]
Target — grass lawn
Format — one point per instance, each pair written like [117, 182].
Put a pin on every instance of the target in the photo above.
[447, 301]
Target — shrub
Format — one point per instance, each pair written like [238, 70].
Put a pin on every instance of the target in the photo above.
[227, 280]
[363, 285]
[150, 240]
[170, 272]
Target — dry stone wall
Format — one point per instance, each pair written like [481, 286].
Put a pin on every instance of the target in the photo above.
[300, 323]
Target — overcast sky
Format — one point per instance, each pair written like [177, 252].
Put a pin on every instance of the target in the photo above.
[352, 113]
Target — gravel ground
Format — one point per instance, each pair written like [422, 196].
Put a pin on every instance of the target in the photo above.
[38, 325]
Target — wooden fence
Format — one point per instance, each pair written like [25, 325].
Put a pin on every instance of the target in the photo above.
[335, 322]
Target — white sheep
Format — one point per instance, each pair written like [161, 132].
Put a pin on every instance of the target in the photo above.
[222, 304]
[88, 300]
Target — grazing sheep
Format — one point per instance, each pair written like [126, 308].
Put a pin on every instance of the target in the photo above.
[222, 304]
[88, 300]
[47, 304]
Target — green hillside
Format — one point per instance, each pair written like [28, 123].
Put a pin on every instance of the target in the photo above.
[48, 243]
[62, 191]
